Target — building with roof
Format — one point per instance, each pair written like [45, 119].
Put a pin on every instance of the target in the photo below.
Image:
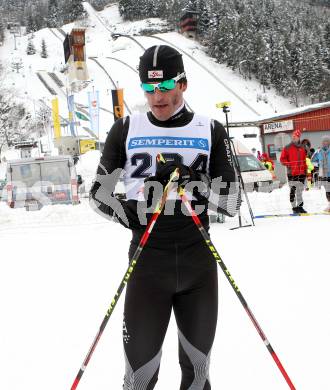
[188, 24]
[313, 121]
[275, 131]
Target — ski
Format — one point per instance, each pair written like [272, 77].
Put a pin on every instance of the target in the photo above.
[292, 215]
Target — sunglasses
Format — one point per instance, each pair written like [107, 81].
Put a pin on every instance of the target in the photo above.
[164, 86]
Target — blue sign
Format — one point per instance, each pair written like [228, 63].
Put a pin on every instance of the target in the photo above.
[169, 142]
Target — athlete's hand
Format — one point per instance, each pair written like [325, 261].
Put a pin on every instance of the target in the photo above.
[165, 169]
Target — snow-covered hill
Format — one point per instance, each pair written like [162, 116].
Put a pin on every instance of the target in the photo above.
[209, 82]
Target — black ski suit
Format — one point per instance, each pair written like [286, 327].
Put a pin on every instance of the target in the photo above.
[175, 271]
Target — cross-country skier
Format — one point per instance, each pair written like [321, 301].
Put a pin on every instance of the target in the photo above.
[175, 270]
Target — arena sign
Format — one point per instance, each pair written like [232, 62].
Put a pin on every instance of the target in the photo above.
[276, 127]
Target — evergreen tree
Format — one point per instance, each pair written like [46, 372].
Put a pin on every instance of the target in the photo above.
[325, 3]
[279, 59]
[53, 17]
[31, 25]
[36, 17]
[77, 10]
[317, 76]
[129, 9]
[203, 19]
[175, 12]
[263, 55]
[191, 5]
[144, 9]
[2, 32]
[12, 115]
[43, 53]
[245, 55]
[162, 8]
[327, 45]
[223, 31]
[30, 50]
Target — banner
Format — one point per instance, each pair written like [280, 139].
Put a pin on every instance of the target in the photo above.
[56, 118]
[118, 103]
[67, 48]
[71, 114]
[94, 108]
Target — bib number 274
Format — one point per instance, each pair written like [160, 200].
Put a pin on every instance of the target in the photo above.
[143, 161]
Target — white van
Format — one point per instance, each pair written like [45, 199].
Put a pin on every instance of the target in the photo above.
[254, 174]
[34, 182]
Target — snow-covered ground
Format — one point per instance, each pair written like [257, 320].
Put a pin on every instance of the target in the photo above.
[61, 266]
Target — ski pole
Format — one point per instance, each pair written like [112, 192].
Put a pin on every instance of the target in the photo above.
[235, 287]
[238, 169]
[158, 209]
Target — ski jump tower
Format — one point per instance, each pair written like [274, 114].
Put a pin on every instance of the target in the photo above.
[75, 59]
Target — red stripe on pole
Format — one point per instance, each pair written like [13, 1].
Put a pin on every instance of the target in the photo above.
[75, 384]
[282, 369]
[196, 219]
[144, 238]
[148, 230]
[190, 209]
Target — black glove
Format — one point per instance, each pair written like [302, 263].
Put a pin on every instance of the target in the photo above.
[165, 169]
[186, 175]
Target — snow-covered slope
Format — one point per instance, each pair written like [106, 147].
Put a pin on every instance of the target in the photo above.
[209, 82]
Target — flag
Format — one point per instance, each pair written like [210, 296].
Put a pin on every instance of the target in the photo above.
[81, 116]
[94, 108]
[118, 103]
[71, 113]
[56, 118]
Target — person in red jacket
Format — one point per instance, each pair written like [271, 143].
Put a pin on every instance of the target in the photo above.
[293, 156]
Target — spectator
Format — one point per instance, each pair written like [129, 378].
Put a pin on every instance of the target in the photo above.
[293, 156]
[267, 162]
[307, 145]
[258, 155]
[322, 158]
